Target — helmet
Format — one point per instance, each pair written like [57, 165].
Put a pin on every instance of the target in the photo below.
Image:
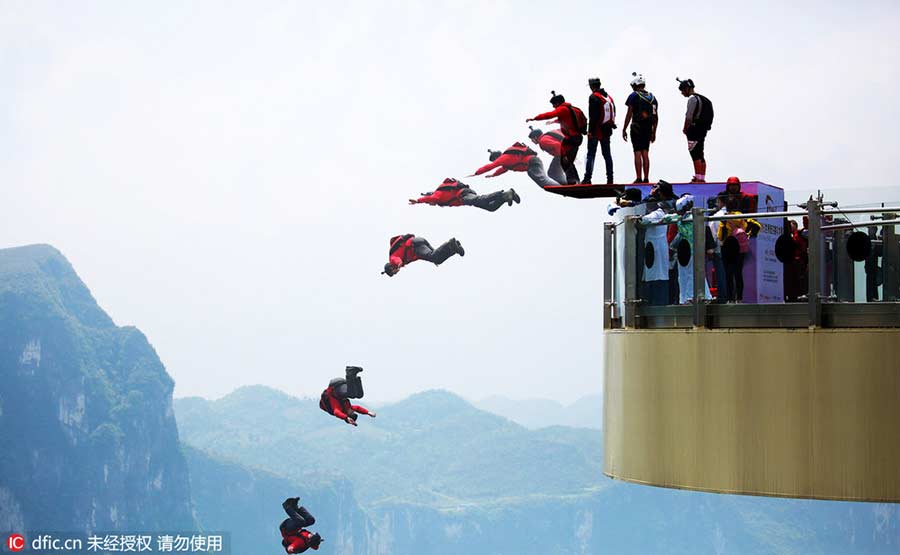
[337, 382]
[535, 133]
[685, 84]
[733, 181]
[638, 79]
[556, 99]
[684, 202]
[594, 82]
[494, 154]
[389, 269]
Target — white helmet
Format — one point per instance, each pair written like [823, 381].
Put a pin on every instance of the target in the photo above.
[638, 79]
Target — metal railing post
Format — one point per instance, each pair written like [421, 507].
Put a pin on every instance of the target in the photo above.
[609, 272]
[699, 269]
[890, 261]
[816, 263]
[630, 253]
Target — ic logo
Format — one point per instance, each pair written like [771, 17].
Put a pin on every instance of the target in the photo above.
[15, 542]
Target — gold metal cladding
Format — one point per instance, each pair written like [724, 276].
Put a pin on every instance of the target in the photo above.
[779, 412]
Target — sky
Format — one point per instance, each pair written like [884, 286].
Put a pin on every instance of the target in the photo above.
[226, 176]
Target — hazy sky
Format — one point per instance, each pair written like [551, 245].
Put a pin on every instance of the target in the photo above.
[226, 176]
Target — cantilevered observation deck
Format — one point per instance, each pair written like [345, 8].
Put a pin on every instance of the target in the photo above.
[767, 397]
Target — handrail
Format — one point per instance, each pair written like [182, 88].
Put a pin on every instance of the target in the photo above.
[874, 223]
[862, 211]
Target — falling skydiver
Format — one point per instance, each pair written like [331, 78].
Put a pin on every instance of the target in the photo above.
[518, 158]
[335, 400]
[456, 193]
[409, 248]
[294, 536]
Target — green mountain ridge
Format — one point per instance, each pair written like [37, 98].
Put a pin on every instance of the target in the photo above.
[436, 475]
[88, 439]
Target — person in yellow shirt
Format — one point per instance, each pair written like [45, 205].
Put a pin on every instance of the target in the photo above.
[734, 236]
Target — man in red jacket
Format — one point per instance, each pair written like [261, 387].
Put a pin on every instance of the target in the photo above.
[517, 158]
[573, 124]
[335, 400]
[456, 193]
[551, 143]
[409, 248]
[294, 536]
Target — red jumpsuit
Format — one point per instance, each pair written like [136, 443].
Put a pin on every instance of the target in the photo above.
[573, 129]
[514, 158]
[297, 542]
[551, 143]
[448, 193]
[340, 408]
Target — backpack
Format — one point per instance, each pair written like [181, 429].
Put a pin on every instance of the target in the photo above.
[743, 240]
[579, 118]
[704, 119]
[645, 107]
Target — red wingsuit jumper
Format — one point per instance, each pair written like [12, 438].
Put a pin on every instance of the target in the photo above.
[448, 193]
[402, 250]
[565, 113]
[514, 158]
[297, 542]
[551, 143]
[340, 408]
[567, 123]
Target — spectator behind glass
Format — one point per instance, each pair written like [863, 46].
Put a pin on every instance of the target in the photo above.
[734, 236]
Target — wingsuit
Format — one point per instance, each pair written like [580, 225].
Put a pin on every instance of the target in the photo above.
[294, 536]
[409, 248]
[456, 193]
[518, 158]
[573, 124]
[335, 400]
[551, 143]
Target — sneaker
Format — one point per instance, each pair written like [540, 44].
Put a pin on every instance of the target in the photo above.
[638, 180]
[609, 181]
[354, 370]
[515, 196]
[586, 181]
[459, 248]
[695, 180]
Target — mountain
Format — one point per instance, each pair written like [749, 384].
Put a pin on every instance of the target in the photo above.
[88, 439]
[433, 448]
[246, 503]
[586, 412]
[435, 475]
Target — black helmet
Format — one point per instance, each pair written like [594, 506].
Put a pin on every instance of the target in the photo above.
[685, 84]
[556, 99]
[389, 269]
[535, 133]
[494, 154]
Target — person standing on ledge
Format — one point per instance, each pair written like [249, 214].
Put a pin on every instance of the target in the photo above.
[601, 122]
[697, 123]
[643, 116]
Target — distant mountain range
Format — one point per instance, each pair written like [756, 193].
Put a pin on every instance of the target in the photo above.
[586, 412]
[88, 442]
[435, 474]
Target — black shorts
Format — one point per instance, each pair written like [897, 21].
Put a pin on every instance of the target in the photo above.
[640, 136]
[695, 147]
